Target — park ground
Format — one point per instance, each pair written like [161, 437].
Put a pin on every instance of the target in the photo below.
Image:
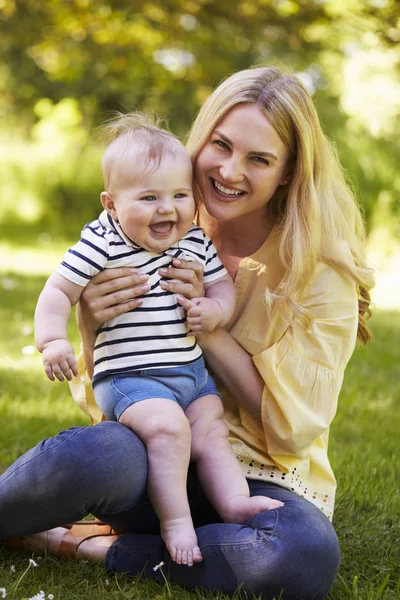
[363, 442]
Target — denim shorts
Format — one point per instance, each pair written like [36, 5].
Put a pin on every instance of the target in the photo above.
[116, 393]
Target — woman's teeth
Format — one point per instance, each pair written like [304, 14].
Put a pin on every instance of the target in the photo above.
[227, 191]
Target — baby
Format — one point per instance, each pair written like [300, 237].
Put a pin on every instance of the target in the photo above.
[149, 373]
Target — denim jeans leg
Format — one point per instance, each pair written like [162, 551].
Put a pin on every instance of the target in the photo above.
[100, 470]
[293, 550]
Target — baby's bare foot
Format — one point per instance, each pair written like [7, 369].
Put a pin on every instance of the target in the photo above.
[241, 508]
[181, 541]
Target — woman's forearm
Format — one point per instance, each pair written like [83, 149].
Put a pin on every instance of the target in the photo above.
[235, 368]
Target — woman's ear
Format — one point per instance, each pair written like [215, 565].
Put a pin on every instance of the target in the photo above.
[108, 204]
[289, 172]
[286, 177]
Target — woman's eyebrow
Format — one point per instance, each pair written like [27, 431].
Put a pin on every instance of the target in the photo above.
[254, 152]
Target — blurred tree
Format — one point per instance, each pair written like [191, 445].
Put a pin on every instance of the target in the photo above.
[109, 53]
[168, 56]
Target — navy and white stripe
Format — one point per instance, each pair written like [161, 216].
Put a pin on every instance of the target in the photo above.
[154, 334]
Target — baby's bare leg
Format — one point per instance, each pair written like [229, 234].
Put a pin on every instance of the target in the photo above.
[217, 467]
[165, 430]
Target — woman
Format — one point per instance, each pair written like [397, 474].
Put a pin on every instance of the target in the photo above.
[273, 199]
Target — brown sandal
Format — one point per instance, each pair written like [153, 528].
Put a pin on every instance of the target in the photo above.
[79, 533]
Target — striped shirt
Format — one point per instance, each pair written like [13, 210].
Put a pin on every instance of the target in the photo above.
[154, 334]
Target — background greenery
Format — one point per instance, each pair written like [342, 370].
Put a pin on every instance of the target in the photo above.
[65, 65]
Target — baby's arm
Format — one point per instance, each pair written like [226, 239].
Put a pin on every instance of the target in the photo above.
[214, 310]
[51, 317]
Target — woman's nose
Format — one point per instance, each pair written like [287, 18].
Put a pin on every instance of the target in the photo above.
[231, 171]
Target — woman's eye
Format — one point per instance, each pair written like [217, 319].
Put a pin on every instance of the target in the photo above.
[221, 144]
[261, 160]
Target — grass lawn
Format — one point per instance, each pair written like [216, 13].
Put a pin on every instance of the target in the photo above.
[363, 449]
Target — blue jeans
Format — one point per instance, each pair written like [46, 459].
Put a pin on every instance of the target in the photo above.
[103, 470]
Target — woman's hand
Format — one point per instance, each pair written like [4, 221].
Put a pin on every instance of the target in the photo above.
[184, 278]
[109, 294]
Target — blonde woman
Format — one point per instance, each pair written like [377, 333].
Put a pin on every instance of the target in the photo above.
[273, 199]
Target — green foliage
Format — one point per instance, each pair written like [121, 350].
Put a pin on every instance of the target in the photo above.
[107, 55]
[55, 177]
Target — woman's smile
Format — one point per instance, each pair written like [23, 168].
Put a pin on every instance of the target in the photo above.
[226, 191]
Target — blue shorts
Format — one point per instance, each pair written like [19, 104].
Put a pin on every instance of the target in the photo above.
[116, 393]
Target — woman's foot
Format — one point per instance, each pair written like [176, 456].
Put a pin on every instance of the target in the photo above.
[81, 540]
[239, 509]
[181, 541]
[45, 541]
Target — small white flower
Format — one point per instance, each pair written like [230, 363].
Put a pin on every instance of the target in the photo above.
[3, 592]
[161, 564]
[50, 597]
[40, 596]
[33, 563]
[12, 569]
[106, 582]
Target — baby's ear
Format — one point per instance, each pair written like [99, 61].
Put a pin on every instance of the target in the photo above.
[108, 203]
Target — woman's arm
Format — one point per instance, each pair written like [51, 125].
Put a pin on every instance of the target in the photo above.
[291, 388]
[235, 368]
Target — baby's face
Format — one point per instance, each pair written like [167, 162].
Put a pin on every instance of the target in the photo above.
[155, 209]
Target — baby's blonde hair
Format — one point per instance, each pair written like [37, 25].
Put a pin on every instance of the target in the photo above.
[128, 133]
[318, 212]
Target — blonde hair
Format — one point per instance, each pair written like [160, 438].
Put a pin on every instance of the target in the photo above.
[317, 210]
[128, 133]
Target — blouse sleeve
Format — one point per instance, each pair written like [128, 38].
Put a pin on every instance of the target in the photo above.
[82, 392]
[303, 371]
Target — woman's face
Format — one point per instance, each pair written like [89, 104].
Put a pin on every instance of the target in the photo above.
[241, 165]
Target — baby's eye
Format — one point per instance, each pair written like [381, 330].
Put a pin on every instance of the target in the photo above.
[149, 198]
[180, 195]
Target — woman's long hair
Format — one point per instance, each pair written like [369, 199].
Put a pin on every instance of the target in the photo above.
[320, 218]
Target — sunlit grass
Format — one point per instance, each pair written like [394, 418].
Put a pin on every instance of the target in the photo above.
[33, 251]
[363, 445]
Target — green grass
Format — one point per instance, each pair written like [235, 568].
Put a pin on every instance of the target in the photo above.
[363, 448]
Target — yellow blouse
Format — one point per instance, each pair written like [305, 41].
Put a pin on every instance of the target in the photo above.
[303, 372]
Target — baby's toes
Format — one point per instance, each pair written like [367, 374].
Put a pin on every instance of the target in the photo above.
[172, 552]
[197, 555]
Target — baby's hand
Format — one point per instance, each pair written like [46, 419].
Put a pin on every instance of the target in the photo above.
[59, 360]
[203, 314]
